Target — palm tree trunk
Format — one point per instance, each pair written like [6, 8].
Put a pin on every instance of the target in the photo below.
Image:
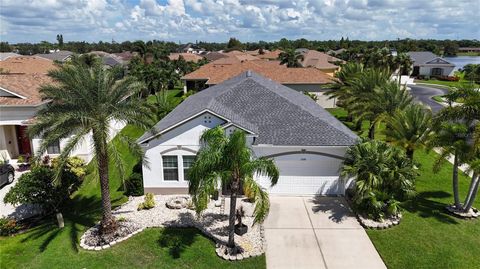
[108, 224]
[231, 218]
[472, 193]
[455, 182]
[371, 131]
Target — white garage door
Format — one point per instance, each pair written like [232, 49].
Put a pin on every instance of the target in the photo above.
[306, 175]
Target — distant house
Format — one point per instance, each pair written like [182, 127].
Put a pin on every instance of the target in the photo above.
[469, 49]
[59, 56]
[109, 59]
[336, 52]
[425, 63]
[307, 79]
[270, 55]
[190, 48]
[306, 142]
[189, 57]
[214, 55]
[26, 65]
[319, 60]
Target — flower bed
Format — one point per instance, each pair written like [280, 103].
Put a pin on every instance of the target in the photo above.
[384, 224]
[93, 240]
[212, 223]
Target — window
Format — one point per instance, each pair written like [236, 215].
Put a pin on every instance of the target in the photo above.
[170, 168]
[54, 148]
[437, 71]
[187, 163]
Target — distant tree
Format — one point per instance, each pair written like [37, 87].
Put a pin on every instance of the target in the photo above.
[291, 58]
[450, 48]
[472, 72]
[5, 47]
[234, 44]
[60, 40]
[404, 63]
[284, 44]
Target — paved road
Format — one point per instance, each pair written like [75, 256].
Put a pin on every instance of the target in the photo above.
[424, 94]
[320, 232]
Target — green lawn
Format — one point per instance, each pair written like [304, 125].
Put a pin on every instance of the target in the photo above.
[428, 237]
[457, 84]
[46, 246]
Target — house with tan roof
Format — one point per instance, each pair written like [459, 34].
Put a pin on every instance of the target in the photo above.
[20, 100]
[319, 60]
[300, 79]
[189, 57]
[270, 55]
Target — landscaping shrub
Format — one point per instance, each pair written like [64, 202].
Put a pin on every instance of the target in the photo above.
[73, 164]
[8, 226]
[384, 176]
[134, 185]
[148, 203]
[38, 187]
[448, 78]
[313, 96]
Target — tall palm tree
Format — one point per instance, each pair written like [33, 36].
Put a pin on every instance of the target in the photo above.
[404, 63]
[87, 100]
[143, 49]
[229, 161]
[291, 58]
[381, 103]
[452, 138]
[410, 128]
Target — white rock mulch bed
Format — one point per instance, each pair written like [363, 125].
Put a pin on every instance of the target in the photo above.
[92, 240]
[212, 223]
[386, 223]
[472, 214]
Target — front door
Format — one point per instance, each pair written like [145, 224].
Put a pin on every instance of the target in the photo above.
[24, 147]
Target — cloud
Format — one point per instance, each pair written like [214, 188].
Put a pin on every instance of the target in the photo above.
[248, 20]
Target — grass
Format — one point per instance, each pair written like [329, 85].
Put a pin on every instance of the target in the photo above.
[470, 53]
[46, 246]
[428, 237]
[456, 84]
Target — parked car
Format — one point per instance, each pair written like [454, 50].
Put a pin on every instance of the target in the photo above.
[7, 174]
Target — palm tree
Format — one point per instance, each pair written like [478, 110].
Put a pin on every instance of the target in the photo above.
[404, 63]
[87, 100]
[165, 104]
[291, 58]
[381, 103]
[143, 49]
[227, 160]
[452, 138]
[410, 128]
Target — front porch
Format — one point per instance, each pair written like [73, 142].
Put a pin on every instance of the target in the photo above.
[14, 141]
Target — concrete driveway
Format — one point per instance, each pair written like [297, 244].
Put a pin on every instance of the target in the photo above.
[320, 232]
[20, 211]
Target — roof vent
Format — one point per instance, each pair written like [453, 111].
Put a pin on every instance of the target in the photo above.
[249, 73]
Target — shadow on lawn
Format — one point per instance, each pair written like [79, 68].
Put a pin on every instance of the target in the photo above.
[177, 240]
[76, 222]
[425, 207]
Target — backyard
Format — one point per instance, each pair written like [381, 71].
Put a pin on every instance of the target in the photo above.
[46, 246]
[428, 237]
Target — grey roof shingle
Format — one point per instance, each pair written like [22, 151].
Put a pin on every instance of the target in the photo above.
[422, 57]
[56, 56]
[277, 114]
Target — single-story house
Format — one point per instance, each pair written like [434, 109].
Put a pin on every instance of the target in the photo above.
[60, 56]
[188, 57]
[214, 55]
[306, 142]
[20, 100]
[308, 79]
[319, 60]
[425, 63]
[270, 55]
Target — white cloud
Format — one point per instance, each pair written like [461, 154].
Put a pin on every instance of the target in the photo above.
[217, 20]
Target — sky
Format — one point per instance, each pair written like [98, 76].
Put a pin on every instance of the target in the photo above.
[248, 20]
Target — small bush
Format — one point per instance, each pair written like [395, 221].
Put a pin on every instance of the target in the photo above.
[313, 96]
[8, 226]
[73, 164]
[134, 185]
[122, 219]
[148, 203]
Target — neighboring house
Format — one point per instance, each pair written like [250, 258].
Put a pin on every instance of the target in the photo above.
[270, 55]
[214, 55]
[336, 52]
[26, 65]
[469, 49]
[189, 57]
[425, 63]
[108, 59]
[190, 48]
[59, 56]
[6, 55]
[319, 60]
[307, 79]
[20, 100]
[307, 143]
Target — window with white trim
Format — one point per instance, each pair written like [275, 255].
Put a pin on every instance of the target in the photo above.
[170, 168]
[54, 148]
[187, 163]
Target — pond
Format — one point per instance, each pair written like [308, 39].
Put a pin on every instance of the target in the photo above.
[461, 61]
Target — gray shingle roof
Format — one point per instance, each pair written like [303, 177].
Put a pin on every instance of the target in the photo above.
[422, 57]
[277, 114]
[56, 56]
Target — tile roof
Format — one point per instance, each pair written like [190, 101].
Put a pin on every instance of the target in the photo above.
[189, 57]
[271, 55]
[277, 114]
[27, 65]
[61, 55]
[317, 59]
[25, 85]
[224, 69]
